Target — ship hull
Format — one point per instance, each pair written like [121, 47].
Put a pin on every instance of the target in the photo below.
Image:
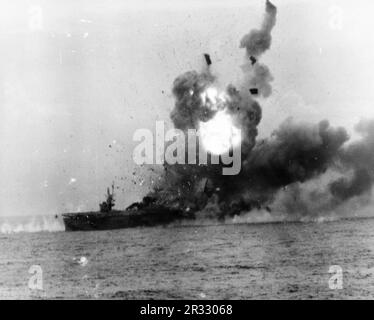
[89, 221]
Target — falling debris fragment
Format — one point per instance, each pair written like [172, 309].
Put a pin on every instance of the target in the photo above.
[257, 41]
[207, 59]
[253, 60]
[253, 91]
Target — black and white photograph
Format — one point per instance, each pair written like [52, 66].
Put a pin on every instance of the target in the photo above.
[186, 150]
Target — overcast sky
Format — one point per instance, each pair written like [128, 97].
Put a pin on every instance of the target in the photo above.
[78, 77]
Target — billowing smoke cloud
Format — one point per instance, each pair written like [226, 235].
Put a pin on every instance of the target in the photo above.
[358, 158]
[189, 108]
[257, 41]
[302, 168]
[294, 152]
[331, 173]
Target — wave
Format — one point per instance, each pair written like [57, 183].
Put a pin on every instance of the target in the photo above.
[31, 224]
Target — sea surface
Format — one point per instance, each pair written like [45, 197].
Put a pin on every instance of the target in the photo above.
[211, 261]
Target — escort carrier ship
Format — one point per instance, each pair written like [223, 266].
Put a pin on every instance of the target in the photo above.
[145, 213]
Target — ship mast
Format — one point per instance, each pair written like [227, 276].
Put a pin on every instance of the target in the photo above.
[108, 204]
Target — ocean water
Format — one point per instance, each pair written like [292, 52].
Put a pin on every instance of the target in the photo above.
[211, 261]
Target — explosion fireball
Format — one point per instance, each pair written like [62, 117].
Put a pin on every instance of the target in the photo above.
[218, 134]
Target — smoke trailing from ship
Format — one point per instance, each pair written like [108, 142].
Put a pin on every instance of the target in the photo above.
[302, 168]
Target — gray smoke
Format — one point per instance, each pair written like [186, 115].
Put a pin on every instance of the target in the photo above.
[358, 158]
[189, 108]
[257, 41]
[294, 152]
[341, 176]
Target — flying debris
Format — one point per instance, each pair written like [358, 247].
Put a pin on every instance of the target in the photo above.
[253, 91]
[207, 59]
[253, 60]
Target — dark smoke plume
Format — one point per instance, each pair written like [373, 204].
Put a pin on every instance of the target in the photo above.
[303, 168]
[347, 169]
[294, 152]
[357, 157]
[258, 41]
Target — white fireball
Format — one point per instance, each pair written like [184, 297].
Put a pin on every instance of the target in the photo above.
[219, 134]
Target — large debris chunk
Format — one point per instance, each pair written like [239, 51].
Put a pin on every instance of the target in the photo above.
[253, 91]
[207, 59]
